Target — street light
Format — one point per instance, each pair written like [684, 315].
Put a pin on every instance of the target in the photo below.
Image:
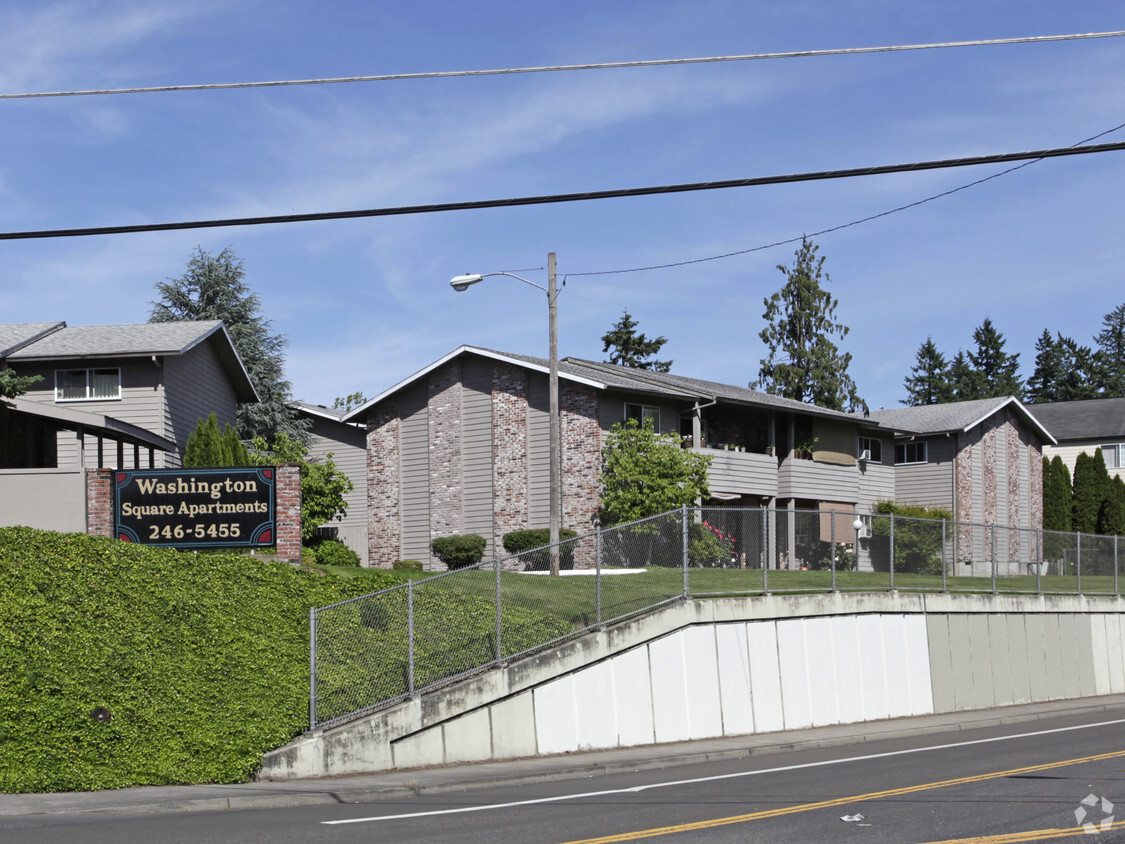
[462, 283]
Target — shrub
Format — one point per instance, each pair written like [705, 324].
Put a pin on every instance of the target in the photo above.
[818, 555]
[458, 552]
[408, 565]
[917, 537]
[708, 546]
[333, 552]
[537, 541]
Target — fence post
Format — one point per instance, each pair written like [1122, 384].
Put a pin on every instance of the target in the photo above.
[684, 539]
[598, 573]
[992, 549]
[765, 552]
[1078, 562]
[312, 668]
[499, 607]
[944, 581]
[891, 564]
[410, 637]
[1115, 591]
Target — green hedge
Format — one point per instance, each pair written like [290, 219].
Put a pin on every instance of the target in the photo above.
[201, 661]
[521, 541]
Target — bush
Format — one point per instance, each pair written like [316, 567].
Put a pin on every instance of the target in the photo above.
[538, 540]
[408, 565]
[708, 546]
[818, 555]
[917, 537]
[333, 552]
[458, 552]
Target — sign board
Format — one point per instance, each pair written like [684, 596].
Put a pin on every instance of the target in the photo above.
[196, 508]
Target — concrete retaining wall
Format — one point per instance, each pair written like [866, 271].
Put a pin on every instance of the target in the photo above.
[725, 667]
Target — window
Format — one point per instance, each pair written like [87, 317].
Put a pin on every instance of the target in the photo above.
[910, 453]
[87, 384]
[1113, 455]
[641, 412]
[872, 447]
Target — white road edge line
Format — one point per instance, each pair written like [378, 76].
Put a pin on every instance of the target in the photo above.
[640, 788]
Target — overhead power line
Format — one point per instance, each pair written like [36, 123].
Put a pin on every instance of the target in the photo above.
[473, 205]
[396, 77]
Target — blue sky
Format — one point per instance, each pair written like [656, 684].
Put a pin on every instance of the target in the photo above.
[365, 303]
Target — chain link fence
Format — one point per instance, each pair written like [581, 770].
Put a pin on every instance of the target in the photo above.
[389, 646]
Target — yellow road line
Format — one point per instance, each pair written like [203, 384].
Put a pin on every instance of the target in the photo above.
[1030, 835]
[841, 801]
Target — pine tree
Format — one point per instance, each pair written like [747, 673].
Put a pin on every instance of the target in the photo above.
[1111, 353]
[964, 381]
[214, 287]
[928, 382]
[632, 349]
[804, 363]
[1111, 517]
[997, 371]
[1041, 385]
[205, 446]
[1064, 371]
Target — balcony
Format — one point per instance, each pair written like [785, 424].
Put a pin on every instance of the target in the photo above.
[742, 472]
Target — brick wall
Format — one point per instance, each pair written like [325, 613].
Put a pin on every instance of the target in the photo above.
[582, 462]
[446, 471]
[509, 451]
[99, 502]
[288, 512]
[384, 523]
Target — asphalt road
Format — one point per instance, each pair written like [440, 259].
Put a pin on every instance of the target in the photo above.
[1032, 781]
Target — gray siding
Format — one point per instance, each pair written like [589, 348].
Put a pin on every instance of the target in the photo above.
[476, 452]
[741, 472]
[348, 446]
[414, 448]
[817, 481]
[930, 484]
[611, 410]
[195, 386]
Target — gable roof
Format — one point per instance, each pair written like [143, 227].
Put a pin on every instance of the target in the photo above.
[954, 417]
[1083, 420]
[79, 342]
[607, 376]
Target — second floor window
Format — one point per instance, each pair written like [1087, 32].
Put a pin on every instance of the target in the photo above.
[641, 412]
[910, 453]
[87, 384]
[872, 447]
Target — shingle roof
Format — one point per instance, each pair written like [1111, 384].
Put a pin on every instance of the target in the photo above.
[15, 336]
[951, 416]
[1083, 420]
[150, 338]
[609, 376]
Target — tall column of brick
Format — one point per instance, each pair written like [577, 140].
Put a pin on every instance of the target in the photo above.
[99, 502]
[446, 473]
[963, 484]
[509, 451]
[288, 513]
[384, 522]
[582, 463]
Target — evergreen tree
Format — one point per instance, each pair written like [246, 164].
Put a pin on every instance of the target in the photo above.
[12, 385]
[1111, 517]
[1111, 353]
[205, 446]
[928, 382]
[1057, 495]
[997, 371]
[964, 381]
[234, 451]
[803, 362]
[214, 287]
[1091, 487]
[632, 349]
[1064, 371]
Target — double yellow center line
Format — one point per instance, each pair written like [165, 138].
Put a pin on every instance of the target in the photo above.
[873, 795]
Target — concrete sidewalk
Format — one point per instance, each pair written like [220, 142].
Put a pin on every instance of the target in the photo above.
[368, 787]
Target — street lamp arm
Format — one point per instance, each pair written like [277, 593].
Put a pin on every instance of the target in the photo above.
[463, 282]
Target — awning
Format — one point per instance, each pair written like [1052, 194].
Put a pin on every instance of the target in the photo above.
[726, 496]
